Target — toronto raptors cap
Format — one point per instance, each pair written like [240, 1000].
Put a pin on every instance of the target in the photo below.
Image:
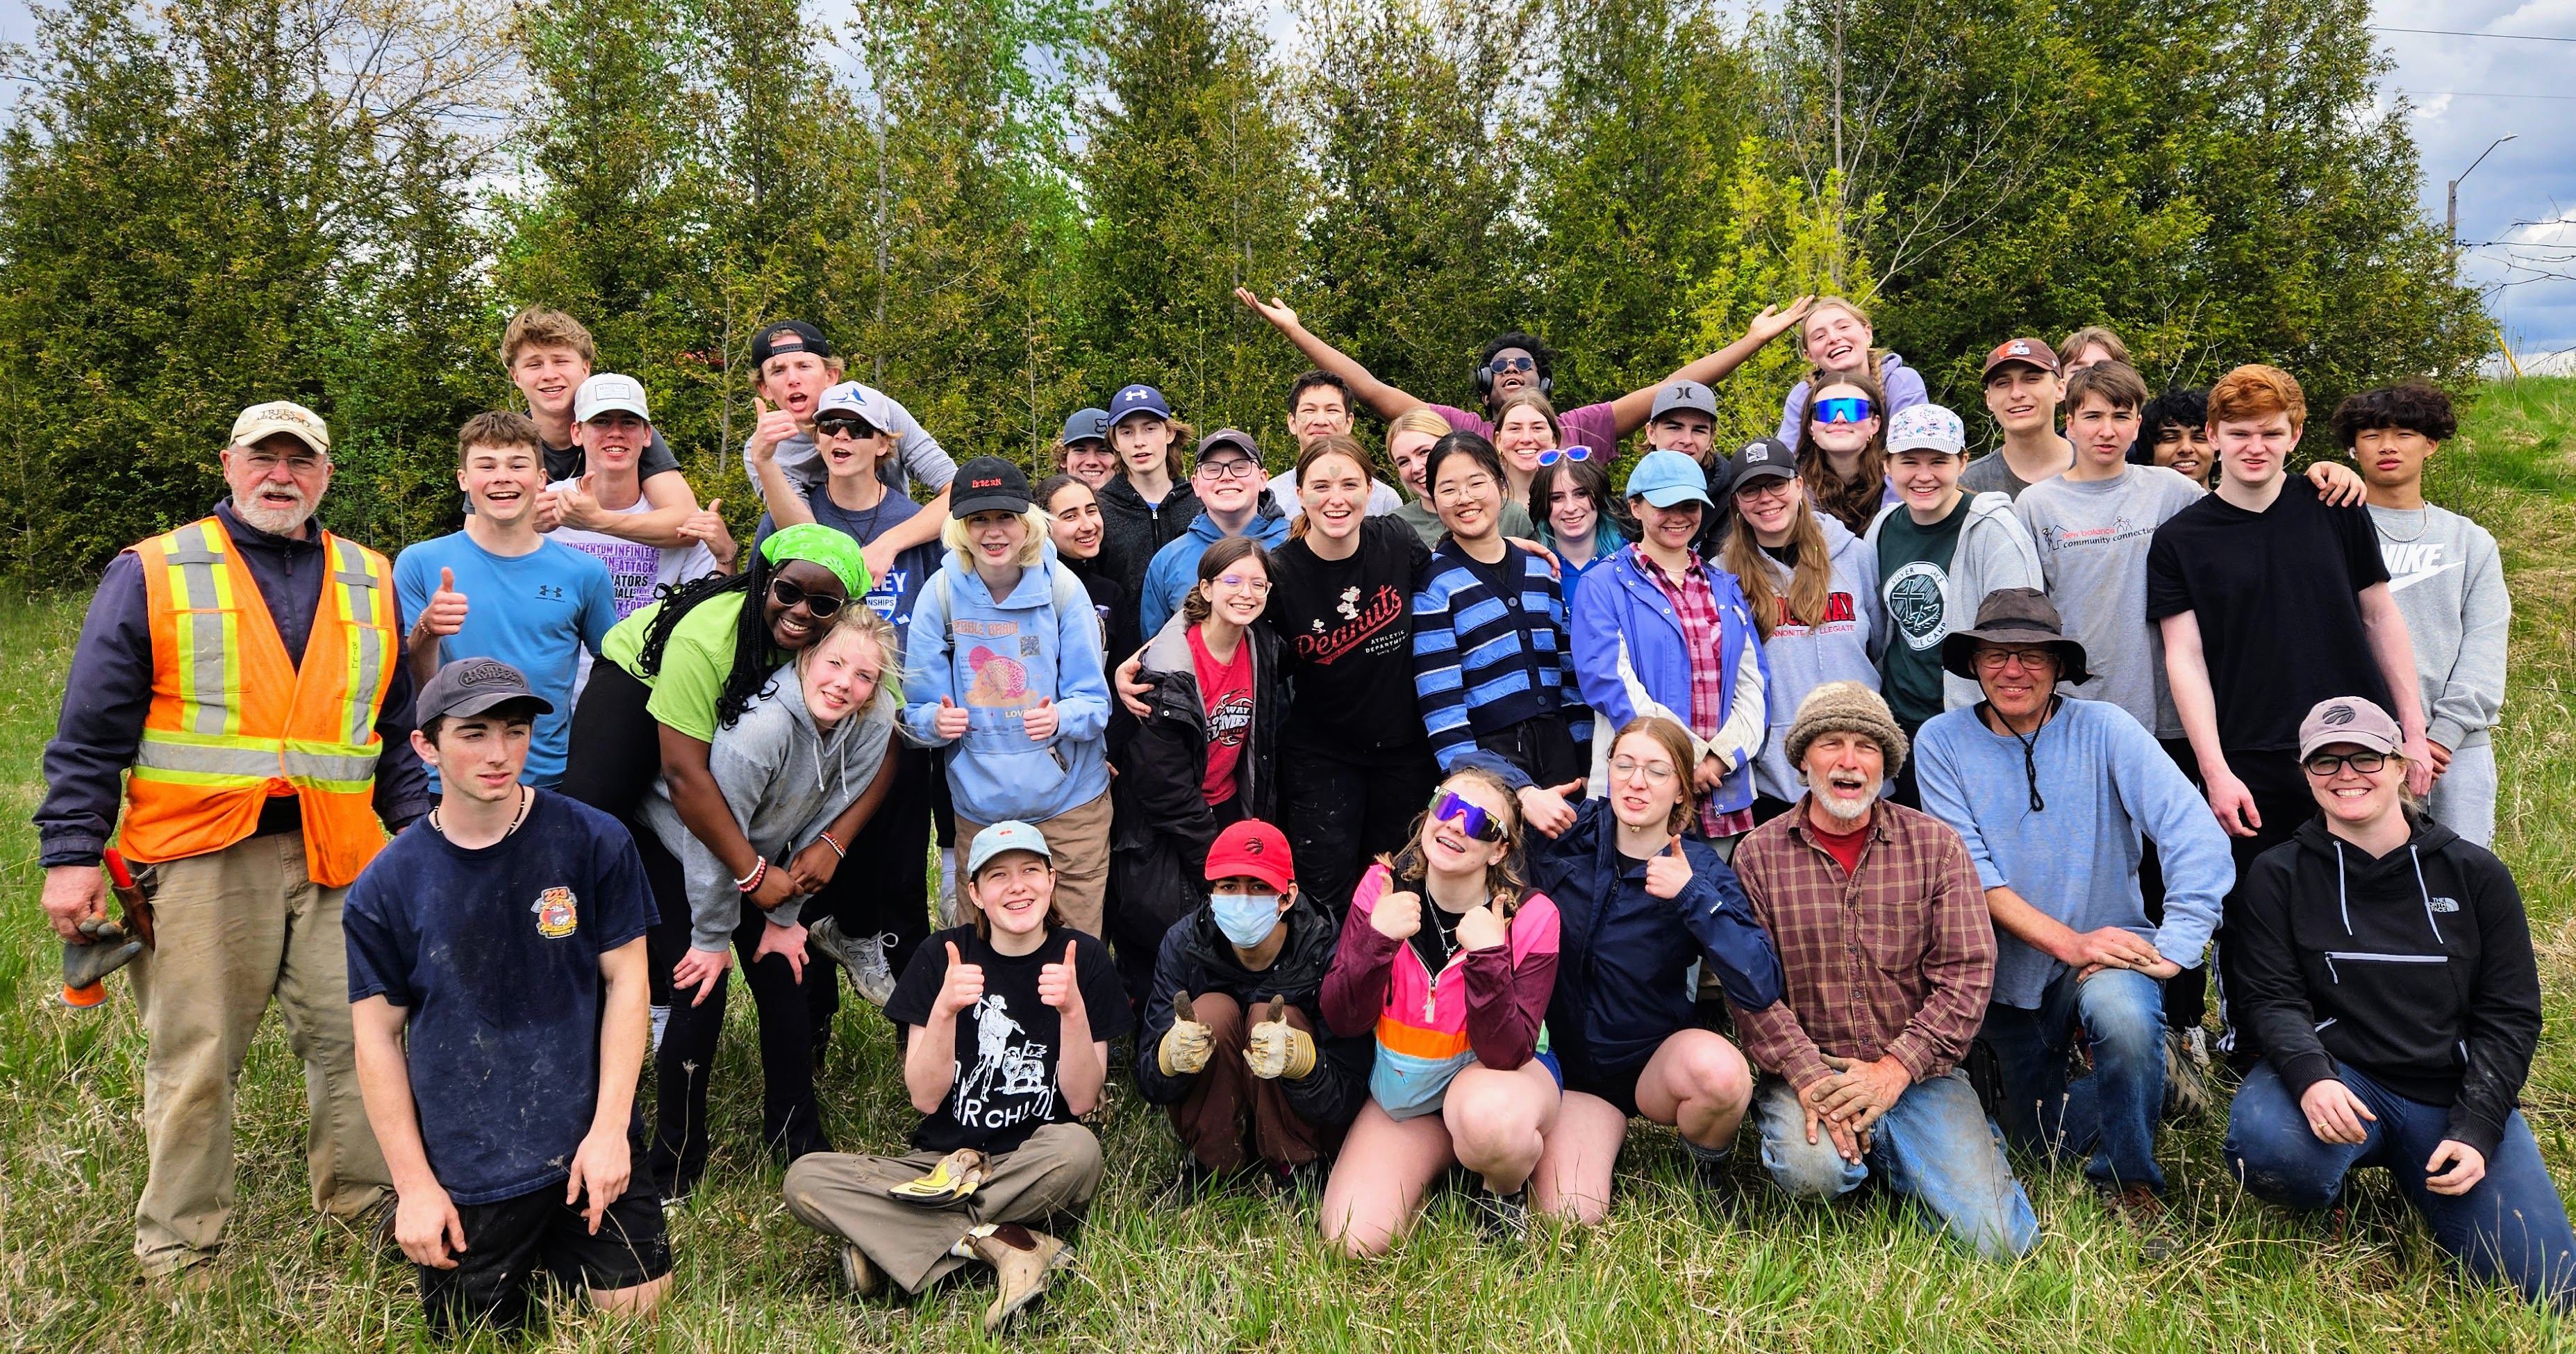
[2348, 719]
[1252, 849]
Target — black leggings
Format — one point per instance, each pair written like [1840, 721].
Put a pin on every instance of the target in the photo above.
[789, 1120]
[1339, 815]
[882, 888]
[615, 756]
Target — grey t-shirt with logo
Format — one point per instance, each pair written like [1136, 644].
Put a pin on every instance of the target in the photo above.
[2092, 537]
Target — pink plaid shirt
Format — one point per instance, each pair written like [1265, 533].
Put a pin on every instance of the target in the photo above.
[1695, 605]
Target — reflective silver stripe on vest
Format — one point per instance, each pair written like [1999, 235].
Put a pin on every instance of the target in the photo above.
[210, 761]
[329, 766]
[195, 555]
[371, 643]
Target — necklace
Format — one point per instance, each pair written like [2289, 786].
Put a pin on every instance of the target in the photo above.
[2423, 523]
[515, 819]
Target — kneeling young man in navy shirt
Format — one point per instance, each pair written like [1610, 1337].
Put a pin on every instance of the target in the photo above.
[497, 983]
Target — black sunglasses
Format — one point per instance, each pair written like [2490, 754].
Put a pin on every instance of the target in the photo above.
[1503, 364]
[820, 605]
[842, 425]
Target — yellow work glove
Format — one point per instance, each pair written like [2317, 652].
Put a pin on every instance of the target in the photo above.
[1278, 1049]
[1186, 1045]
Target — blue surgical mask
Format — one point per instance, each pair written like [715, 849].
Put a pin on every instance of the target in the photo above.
[1246, 918]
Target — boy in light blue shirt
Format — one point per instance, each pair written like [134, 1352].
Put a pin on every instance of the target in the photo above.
[498, 589]
[2051, 795]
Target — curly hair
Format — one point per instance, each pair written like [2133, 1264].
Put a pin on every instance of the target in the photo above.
[2412, 406]
[1503, 880]
[2172, 409]
[1855, 501]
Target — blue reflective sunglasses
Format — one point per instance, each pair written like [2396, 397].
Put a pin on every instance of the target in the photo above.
[1477, 823]
[1844, 409]
[1577, 452]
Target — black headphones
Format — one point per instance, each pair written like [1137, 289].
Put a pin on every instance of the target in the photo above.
[1485, 379]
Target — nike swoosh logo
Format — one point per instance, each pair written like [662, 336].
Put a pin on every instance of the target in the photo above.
[2404, 582]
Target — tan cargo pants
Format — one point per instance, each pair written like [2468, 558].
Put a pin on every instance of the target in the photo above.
[235, 928]
[844, 1195]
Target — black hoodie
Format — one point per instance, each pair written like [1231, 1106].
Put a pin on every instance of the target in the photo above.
[1130, 531]
[1196, 958]
[2415, 969]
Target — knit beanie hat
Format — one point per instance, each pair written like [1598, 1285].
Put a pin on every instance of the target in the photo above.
[1844, 707]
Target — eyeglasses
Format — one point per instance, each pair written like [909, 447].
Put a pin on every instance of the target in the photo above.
[841, 425]
[302, 463]
[1230, 469]
[1655, 772]
[819, 605]
[1994, 660]
[2324, 765]
[1503, 364]
[1844, 409]
[1459, 491]
[1260, 586]
[1767, 487]
[1474, 821]
[1577, 452]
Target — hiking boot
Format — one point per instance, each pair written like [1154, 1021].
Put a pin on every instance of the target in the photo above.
[2143, 1212]
[866, 957]
[1502, 1218]
[1022, 1261]
[859, 1274]
[2187, 1093]
[956, 1178]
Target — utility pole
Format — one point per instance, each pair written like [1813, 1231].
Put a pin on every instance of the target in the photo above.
[2451, 217]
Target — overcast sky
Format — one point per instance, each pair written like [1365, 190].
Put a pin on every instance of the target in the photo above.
[2520, 205]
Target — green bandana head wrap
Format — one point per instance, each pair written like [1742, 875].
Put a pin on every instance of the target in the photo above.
[822, 545]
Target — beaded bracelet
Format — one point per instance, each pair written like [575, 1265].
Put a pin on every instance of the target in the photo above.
[837, 848]
[751, 881]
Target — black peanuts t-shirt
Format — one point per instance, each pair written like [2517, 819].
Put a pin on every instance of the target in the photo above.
[1346, 627]
[2276, 594]
[1005, 1086]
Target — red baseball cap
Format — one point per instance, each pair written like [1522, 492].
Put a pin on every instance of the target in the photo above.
[2029, 352]
[1253, 848]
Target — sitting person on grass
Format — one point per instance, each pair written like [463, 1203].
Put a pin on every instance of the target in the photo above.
[1006, 1044]
[1233, 1045]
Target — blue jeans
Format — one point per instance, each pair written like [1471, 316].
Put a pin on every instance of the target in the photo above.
[2112, 1113]
[2510, 1226]
[1935, 1147]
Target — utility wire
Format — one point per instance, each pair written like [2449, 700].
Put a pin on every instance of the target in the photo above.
[2456, 33]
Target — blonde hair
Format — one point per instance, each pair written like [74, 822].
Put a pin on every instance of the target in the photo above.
[1676, 743]
[1870, 361]
[1032, 550]
[546, 327]
[1419, 419]
[856, 617]
[1503, 882]
[1811, 583]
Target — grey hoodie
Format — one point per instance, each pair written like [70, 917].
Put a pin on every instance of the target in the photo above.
[1994, 552]
[1845, 648]
[785, 779]
[2448, 582]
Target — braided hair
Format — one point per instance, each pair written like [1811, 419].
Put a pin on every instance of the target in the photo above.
[754, 657]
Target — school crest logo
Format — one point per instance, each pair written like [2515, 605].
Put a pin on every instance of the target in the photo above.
[556, 916]
[1914, 602]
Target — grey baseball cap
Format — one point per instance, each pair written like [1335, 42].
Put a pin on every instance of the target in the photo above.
[1086, 425]
[1682, 395]
[2349, 719]
[470, 686]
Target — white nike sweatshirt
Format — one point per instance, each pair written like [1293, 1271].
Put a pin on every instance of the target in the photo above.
[2448, 580]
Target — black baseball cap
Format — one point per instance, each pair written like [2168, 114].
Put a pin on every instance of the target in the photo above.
[987, 484]
[1763, 458]
[788, 336]
[470, 686]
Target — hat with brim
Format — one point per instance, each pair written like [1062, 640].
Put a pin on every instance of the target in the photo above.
[987, 484]
[1228, 437]
[282, 416]
[1669, 479]
[2353, 720]
[1001, 838]
[2015, 618]
[472, 686]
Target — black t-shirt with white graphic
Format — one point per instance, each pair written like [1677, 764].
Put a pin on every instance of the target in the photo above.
[1005, 1087]
[1913, 581]
[1346, 627]
[2276, 594]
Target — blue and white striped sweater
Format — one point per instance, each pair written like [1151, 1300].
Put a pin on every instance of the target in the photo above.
[1480, 664]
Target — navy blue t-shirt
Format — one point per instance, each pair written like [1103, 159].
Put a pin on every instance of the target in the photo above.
[495, 954]
[894, 595]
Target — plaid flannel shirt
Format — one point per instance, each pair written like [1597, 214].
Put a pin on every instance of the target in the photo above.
[1897, 959]
[1695, 606]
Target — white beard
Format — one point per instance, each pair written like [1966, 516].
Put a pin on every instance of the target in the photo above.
[274, 521]
[1851, 812]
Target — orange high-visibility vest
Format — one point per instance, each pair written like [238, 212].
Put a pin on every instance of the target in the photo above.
[234, 722]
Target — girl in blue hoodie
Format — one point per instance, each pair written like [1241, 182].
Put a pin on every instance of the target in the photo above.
[1003, 667]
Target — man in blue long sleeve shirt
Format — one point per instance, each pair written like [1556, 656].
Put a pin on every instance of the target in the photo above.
[246, 878]
[2051, 795]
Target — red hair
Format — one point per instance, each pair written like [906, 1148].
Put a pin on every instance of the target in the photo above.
[2256, 391]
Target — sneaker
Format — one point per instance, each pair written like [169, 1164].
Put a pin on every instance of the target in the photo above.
[859, 1275]
[1708, 1168]
[1502, 1218]
[2144, 1213]
[2187, 1093]
[866, 957]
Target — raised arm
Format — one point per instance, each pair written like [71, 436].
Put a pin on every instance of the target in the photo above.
[1376, 394]
[1629, 411]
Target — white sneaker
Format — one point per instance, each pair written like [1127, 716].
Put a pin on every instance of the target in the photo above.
[865, 957]
[661, 1018]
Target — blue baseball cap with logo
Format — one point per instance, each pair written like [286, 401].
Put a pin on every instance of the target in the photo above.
[1134, 401]
[1668, 479]
[1007, 835]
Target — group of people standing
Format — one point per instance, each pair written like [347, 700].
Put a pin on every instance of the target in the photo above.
[1888, 798]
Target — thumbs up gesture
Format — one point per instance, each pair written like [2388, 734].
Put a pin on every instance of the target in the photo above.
[1549, 809]
[775, 426]
[1185, 1046]
[445, 614]
[1669, 873]
[962, 988]
[1058, 986]
[950, 722]
[1397, 915]
[1483, 928]
[1039, 719]
[707, 527]
[1277, 1049]
[576, 505]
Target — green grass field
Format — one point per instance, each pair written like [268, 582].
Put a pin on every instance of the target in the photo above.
[1671, 1269]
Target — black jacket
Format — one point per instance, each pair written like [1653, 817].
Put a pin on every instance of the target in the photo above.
[1163, 822]
[2415, 968]
[1131, 532]
[1197, 959]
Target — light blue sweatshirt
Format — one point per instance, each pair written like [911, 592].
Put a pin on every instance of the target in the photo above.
[998, 658]
[1174, 570]
[2104, 781]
